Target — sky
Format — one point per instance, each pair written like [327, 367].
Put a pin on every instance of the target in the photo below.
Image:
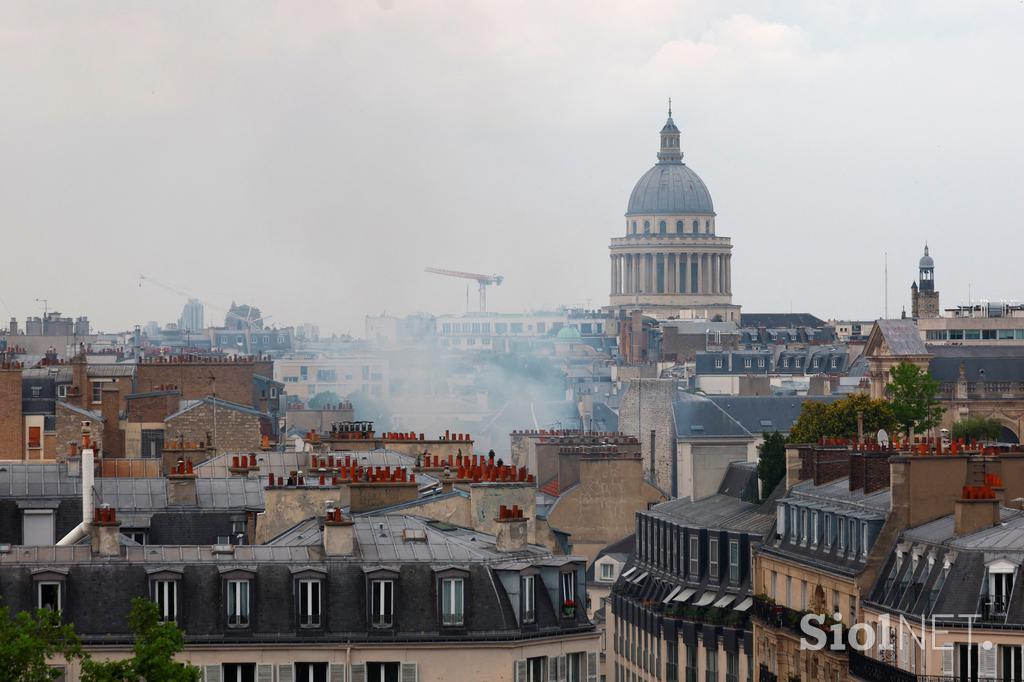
[312, 158]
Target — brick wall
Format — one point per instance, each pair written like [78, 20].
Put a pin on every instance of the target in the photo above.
[153, 408]
[113, 436]
[655, 400]
[876, 472]
[236, 431]
[234, 379]
[69, 430]
[11, 421]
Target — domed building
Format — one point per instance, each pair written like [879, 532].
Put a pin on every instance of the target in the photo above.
[671, 263]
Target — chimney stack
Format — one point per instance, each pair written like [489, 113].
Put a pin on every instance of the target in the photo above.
[181, 485]
[339, 533]
[977, 509]
[511, 535]
[106, 532]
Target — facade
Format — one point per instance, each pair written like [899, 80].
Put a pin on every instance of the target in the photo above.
[671, 263]
[305, 374]
[976, 324]
[504, 332]
[681, 609]
[191, 318]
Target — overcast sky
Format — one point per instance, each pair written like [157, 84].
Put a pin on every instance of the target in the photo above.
[313, 158]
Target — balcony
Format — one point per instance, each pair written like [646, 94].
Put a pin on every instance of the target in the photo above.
[869, 669]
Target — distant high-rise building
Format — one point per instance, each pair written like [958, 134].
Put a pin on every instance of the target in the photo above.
[191, 316]
[242, 317]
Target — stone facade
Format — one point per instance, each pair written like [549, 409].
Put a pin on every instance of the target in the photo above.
[69, 428]
[645, 412]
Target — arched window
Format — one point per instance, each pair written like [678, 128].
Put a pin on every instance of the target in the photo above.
[647, 227]
[634, 227]
[707, 226]
[662, 227]
[696, 226]
[679, 226]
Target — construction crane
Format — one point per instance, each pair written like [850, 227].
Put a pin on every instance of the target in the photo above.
[483, 281]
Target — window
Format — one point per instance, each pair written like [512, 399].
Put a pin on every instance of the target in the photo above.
[789, 591]
[814, 527]
[575, 666]
[309, 603]
[273, 392]
[662, 227]
[49, 595]
[37, 527]
[633, 227]
[864, 539]
[828, 530]
[165, 594]
[794, 522]
[734, 561]
[711, 672]
[748, 362]
[647, 227]
[607, 572]
[97, 391]
[732, 666]
[35, 437]
[853, 536]
[528, 598]
[311, 672]
[713, 558]
[238, 603]
[679, 226]
[239, 672]
[696, 226]
[62, 391]
[382, 603]
[760, 362]
[842, 534]
[568, 593]
[451, 601]
[718, 363]
[380, 672]
[691, 663]
[672, 661]
[535, 669]
[694, 557]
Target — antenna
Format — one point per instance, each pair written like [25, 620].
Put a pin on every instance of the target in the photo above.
[886, 285]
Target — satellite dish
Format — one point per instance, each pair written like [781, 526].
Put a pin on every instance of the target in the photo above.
[883, 438]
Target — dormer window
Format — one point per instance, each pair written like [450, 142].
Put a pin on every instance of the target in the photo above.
[842, 534]
[452, 607]
[528, 598]
[163, 590]
[694, 557]
[567, 593]
[309, 603]
[382, 603]
[1000, 585]
[238, 603]
[50, 593]
[713, 558]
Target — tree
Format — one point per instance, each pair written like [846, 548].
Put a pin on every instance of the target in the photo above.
[771, 462]
[913, 395]
[28, 640]
[839, 419]
[978, 428]
[322, 399]
[156, 643]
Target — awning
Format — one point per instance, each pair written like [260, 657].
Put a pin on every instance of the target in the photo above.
[744, 605]
[640, 578]
[685, 594]
[671, 595]
[724, 601]
[628, 572]
[705, 599]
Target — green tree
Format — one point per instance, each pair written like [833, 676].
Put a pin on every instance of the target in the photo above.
[913, 394]
[28, 640]
[156, 643]
[320, 400]
[978, 428]
[839, 419]
[771, 462]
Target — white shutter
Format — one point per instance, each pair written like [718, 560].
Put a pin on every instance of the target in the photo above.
[562, 673]
[947, 661]
[519, 671]
[212, 673]
[358, 672]
[552, 668]
[264, 672]
[408, 673]
[337, 672]
[987, 662]
[592, 667]
[285, 672]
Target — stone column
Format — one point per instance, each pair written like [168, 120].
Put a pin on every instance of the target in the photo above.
[728, 274]
[700, 273]
[684, 273]
[628, 282]
[618, 274]
[611, 290]
[671, 279]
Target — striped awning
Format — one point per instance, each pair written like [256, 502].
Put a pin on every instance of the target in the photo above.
[724, 601]
[685, 594]
[744, 605]
[705, 599]
[672, 595]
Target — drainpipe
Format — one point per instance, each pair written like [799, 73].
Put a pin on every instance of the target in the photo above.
[82, 530]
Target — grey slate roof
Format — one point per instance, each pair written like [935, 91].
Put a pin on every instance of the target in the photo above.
[221, 404]
[902, 337]
[765, 414]
[780, 320]
[699, 417]
[718, 512]
[981, 363]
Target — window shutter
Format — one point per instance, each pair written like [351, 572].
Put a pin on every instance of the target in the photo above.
[285, 673]
[592, 667]
[264, 672]
[358, 672]
[987, 662]
[212, 673]
[947, 661]
[552, 668]
[408, 673]
[519, 671]
[902, 658]
[337, 672]
[562, 674]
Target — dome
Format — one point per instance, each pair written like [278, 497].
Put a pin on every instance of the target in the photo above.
[926, 260]
[568, 334]
[670, 189]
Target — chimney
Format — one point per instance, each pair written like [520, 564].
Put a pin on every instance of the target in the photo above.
[511, 529]
[181, 485]
[977, 509]
[106, 532]
[339, 534]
